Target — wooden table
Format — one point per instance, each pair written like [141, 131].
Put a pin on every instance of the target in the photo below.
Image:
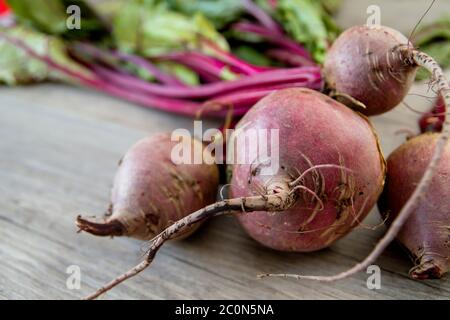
[59, 148]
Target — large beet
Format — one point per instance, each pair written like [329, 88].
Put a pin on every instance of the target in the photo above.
[426, 234]
[313, 130]
[151, 192]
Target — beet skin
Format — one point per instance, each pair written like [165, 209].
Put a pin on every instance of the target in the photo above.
[150, 192]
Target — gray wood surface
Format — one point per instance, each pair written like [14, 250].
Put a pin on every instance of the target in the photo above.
[59, 148]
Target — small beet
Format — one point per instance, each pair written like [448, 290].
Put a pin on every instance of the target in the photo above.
[150, 192]
[426, 234]
[369, 64]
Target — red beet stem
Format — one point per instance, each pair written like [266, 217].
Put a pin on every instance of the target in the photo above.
[143, 63]
[166, 104]
[238, 64]
[206, 66]
[248, 98]
[289, 58]
[307, 74]
[281, 41]
[240, 100]
[119, 85]
[263, 18]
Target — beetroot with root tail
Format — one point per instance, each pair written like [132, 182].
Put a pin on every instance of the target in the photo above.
[370, 65]
[150, 191]
[335, 150]
[426, 234]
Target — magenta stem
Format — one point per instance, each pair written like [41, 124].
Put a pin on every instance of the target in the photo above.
[281, 41]
[136, 90]
[289, 58]
[310, 74]
[262, 17]
[103, 55]
[241, 65]
[206, 66]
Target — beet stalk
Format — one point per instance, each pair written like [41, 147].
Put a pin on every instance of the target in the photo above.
[281, 41]
[262, 17]
[119, 85]
[104, 55]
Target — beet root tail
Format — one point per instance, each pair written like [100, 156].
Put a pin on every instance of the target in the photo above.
[100, 228]
[429, 269]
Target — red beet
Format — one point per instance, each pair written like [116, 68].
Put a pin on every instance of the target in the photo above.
[426, 234]
[370, 64]
[150, 192]
[313, 130]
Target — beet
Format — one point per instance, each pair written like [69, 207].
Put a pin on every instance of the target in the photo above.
[150, 192]
[313, 130]
[426, 234]
[370, 64]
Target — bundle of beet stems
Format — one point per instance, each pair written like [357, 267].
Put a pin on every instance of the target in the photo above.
[215, 96]
[214, 99]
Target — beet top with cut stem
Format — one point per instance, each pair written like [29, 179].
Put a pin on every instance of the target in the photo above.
[150, 191]
[426, 234]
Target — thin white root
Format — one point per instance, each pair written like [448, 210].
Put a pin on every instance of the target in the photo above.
[419, 193]
[319, 166]
[315, 196]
